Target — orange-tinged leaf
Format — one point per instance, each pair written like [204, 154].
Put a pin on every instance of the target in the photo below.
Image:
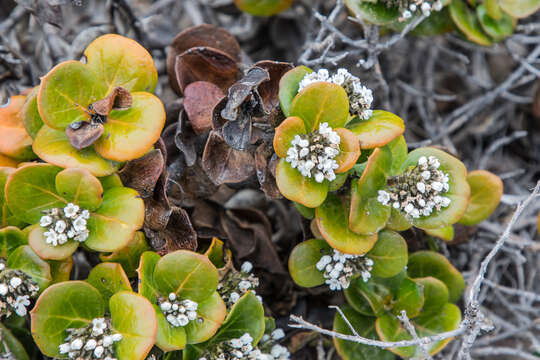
[380, 129]
[296, 187]
[7, 161]
[129, 134]
[349, 150]
[486, 193]
[14, 140]
[285, 133]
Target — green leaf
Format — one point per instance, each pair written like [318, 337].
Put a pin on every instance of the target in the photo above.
[31, 189]
[108, 279]
[303, 261]
[212, 311]
[246, 316]
[169, 338]
[308, 213]
[368, 215]
[36, 240]
[289, 85]
[365, 327]
[370, 298]
[467, 22]
[12, 343]
[373, 12]
[187, 274]
[298, 188]
[520, 8]
[398, 148]
[263, 7]
[389, 254]
[25, 259]
[333, 223]
[380, 129]
[435, 295]
[389, 328]
[321, 102]
[129, 255]
[446, 233]
[70, 304]
[119, 61]
[30, 115]
[110, 181]
[53, 146]
[66, 92]
[133, 316]
[398, 221]
[216, 253]
[497, 29]
[410, 297]
[486, 193]
[6, 216]
[147, 266]
[10, 239]
[60, 269]
[458, 193]
[429, 263]
[80, 187]
[114, 224]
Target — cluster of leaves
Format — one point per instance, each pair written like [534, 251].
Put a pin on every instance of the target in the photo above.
[481, 22]
[347, 215]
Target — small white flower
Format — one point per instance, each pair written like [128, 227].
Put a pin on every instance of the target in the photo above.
[172, 320]
[165, 306]
[71, 210]
[445, 201]
[172, 296]
[62, 239]
[3, 289]
[117, 337]
[236, 343]
[244, 285]
[64, 348]
[246, 339]
[98, 326]
[175, 307]
[79, 224]
[437, 5]
[190, 305]
[422, 161]
[278, 334]
[247, 267]
[396, 205]
[90, 345]
[406, 14]
[409, 208]
[183, 320]
[412, 7]
[85, 214]
[426, 8]
[98, 351]
[192, 315]
[76, 344]
[319, 177]
[437, 186]
[81, 237]
[234, 297]
[107, 341]
[45, 221]
[426, 175]
[20, 304]
[421, 187]
[15, 282]
[383, 197]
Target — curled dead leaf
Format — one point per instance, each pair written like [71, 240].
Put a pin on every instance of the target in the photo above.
[200, 98]
[118, 99]
[82, 134]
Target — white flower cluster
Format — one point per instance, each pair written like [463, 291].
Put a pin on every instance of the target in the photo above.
[339, 268]
[242, 349]
[179, 312]
[418, 192]
[417, 6]
[64, 224]
[360, 97]
[235, 284]
[313, 154]
[16, 290]
[94, 341]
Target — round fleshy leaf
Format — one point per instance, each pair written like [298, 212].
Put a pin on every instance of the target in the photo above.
[410, 297]
[486, 193]
[212, 311]
[303, 259]
[398, 148]
[119, 61]
[321, 102]
[110, 181]
[285, 134]
[216, 253]
[11, 344]
[380, 129]
[25, 259]
[497, 29]
[108, 279]
[60, 269]
[398, 221]
[70, 304]
[129, 134]
[373, 12]
[446, 233]
[10, 239]
[31, 189]
[147, 266]
[169, 338]
[349, 150]
[37, 242]
[14, 140]
[30, 114]
[389, 254]
[114, 224]
[338, 182]
[6, 216]
[520, 8]
[458, 193]
[289, 85]
[365, 327]
[390, 328]
[80, 187]
[129, 255]
[435, 295]
[298, 188]
[370, 298]
[493, 9]
[263, 7]
[246, 316]
[428, 263]
[308, 213]
[6, 161]
[66, 92]
[53, 147]
[368, 215]
[333, 222]
[187, 274]
[467, 22]
[134, 317]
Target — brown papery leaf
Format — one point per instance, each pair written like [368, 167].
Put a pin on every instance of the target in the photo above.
[197, 36]
[185, 139]
[200, 98]
[224, 164]
[142, 174]
[265, 163]
[178, 234]
[269, 90]
[118, 99]
[205, 64]
[83, 134]
[242, 90]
